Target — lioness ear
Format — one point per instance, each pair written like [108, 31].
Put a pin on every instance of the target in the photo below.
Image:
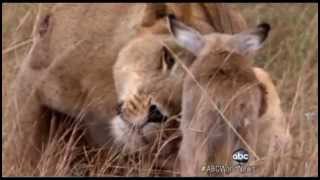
[152, 13]
[186, 36]
[247, 43]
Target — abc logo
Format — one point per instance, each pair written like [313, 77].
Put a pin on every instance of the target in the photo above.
[241, 156]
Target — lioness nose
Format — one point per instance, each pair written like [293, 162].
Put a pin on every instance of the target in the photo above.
[155, 115]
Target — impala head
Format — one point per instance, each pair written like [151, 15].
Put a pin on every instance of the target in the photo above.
[244, 43]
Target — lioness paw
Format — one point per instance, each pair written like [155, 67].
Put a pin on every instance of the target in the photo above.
[136, 109]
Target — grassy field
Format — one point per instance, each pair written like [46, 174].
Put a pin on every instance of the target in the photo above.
[290, 56]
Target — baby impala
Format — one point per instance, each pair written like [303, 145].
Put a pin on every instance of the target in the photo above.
[227, 104]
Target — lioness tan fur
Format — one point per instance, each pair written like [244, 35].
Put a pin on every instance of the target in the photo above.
[227, 103]
[69, 69]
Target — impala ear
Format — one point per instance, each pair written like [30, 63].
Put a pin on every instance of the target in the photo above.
[186, 36]
[247, 43]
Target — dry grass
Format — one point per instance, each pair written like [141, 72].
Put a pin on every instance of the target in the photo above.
[290, 56]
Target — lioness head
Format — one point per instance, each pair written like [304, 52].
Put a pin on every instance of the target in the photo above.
[148, 76]
[148, 79]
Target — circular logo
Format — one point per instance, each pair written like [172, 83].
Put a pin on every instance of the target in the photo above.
[240, 155]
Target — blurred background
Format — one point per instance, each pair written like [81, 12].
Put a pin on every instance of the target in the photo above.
[289, 55]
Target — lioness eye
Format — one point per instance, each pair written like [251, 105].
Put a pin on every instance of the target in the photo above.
[167, 58]
[118, 108]
[152, 108]
[155, 115]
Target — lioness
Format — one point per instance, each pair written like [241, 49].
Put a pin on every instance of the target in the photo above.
[227, 104]
[69, 71]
